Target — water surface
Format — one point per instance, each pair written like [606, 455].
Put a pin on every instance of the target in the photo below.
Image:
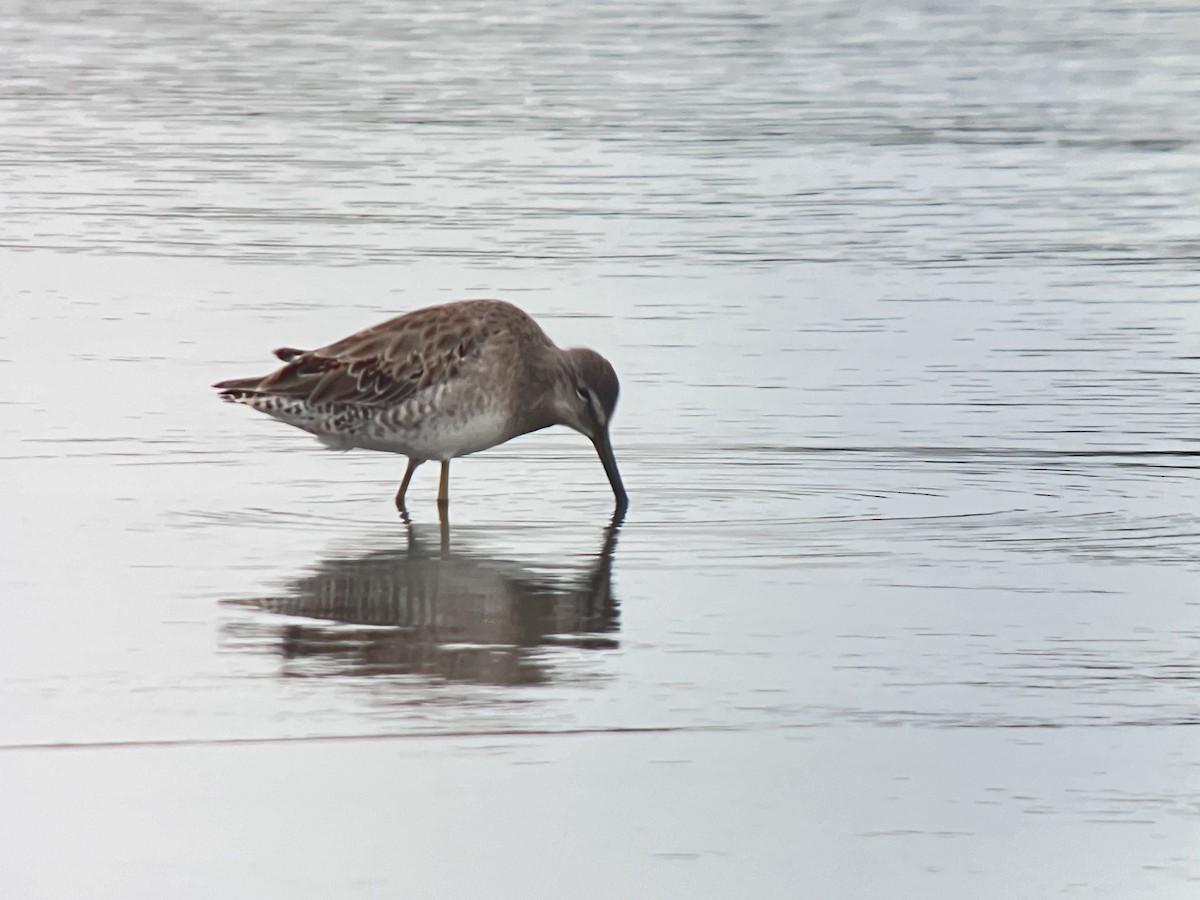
[904, 307]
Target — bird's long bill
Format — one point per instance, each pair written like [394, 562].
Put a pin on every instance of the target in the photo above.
[604, 448]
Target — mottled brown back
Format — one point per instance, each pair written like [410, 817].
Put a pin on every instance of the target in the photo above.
[388, 363]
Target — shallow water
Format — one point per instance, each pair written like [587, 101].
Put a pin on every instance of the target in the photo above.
[904, 306]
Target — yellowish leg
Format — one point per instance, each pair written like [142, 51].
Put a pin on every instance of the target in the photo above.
[408, 474]
[444, 484]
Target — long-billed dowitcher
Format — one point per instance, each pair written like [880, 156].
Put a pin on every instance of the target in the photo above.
[439, 383]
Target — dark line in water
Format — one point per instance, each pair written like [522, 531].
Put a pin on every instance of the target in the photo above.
[567, 732]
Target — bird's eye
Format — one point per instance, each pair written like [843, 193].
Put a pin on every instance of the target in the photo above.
[583, 393]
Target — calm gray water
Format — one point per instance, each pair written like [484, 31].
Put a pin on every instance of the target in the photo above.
[904, 302]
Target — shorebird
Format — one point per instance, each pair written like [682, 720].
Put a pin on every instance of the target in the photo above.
[440, 383]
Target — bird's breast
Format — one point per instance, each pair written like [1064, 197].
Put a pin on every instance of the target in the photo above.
[436, 437]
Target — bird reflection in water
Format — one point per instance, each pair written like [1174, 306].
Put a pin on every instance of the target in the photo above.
[429, 610]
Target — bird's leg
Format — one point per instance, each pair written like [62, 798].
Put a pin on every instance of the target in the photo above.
[444, 528]
[444, 484]
[408, 474]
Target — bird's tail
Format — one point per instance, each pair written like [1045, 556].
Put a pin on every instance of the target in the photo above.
[237, 389]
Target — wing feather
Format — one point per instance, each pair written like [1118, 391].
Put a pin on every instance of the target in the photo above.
[384, 365]
[395, 361]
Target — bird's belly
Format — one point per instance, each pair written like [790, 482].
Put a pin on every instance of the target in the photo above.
[444, 438]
